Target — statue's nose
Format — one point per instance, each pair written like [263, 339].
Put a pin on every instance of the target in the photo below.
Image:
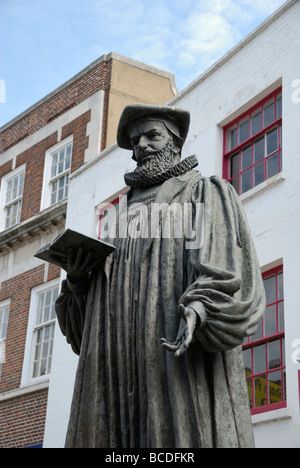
[143, 142]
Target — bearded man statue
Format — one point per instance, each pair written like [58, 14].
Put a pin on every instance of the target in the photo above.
[158, 327]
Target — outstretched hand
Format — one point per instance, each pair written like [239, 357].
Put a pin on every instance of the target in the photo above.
[188, 325]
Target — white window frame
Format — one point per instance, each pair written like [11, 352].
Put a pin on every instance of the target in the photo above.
[48, 180]
[3, 305]
[3, 191]
[32, 329]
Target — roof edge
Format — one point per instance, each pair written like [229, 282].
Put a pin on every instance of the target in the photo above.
[102, 58]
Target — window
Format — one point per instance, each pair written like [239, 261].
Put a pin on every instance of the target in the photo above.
[57, 170]
[44, 332]
[40, 333]
[4, 312]
[11, 197]
[253, 144]
[264, 352]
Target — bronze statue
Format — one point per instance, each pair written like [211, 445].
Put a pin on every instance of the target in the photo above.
[158, 325]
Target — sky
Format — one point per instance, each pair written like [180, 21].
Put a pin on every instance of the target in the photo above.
[44, 43]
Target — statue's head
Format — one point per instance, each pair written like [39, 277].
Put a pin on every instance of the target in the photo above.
[155, 134]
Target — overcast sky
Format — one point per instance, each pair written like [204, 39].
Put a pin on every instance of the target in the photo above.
[46, 42]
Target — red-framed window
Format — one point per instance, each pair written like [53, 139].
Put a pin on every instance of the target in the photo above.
[253, 144]
[264, 352]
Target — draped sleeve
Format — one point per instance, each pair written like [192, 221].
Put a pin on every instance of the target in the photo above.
[224, 278]
[70, 310]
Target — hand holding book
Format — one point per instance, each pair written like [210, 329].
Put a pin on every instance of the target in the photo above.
[75, 253]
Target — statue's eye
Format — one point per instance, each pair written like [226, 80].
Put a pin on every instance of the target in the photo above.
[153, 135]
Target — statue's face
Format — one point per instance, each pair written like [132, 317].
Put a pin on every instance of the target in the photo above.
[147, 138]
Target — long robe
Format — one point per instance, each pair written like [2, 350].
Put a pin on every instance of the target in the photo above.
[129, 391]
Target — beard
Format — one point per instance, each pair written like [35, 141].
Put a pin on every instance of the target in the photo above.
[153, 170]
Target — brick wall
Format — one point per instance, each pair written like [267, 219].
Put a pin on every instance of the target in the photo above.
[22, 420]
[93, 80]
[80, 140]
[18, 290]
[5, 169]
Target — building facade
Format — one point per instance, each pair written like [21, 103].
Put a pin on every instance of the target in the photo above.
[244, 127]
[40, 150]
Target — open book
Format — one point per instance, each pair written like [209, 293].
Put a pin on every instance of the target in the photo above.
[56, 252]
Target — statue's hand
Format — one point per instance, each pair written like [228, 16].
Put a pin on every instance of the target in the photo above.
[77, 262]
[185, 333]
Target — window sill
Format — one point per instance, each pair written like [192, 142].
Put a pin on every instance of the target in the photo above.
[271, 416]
[38, 224]
[263, 186]
[24, 390]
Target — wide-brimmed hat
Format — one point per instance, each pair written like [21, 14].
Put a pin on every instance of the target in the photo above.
[176, 120]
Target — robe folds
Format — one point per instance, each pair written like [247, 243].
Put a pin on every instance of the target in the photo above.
[129, 391]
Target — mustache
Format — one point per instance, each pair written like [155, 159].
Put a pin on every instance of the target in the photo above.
[160, 157]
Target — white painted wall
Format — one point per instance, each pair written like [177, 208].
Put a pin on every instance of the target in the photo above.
[248, 73]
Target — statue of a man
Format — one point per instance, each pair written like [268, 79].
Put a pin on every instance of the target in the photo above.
[158, 325]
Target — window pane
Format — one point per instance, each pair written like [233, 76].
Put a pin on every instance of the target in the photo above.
[4, 312]
[54, 193]
[66, 186]
[258, 334]
[43, 366]
[259, 149]
[280, 316]
[60, 194]
[61, 155]
[61, 182]
[280, 285]
[8, 191]
[270, 289]
[53, 198]
[235, 164]
[21, 184]
[3, 330]
[275, 387]
[244, 130]
[279, 106]
[246, 157]
[259, 359]
[54, 159]
[259, 173]
[35, 372]
[272, 141]
[270, 320]
[274, 356]
[68, 157]
[256, 122]
[60, 167]
[232, 138]
[272, 165]
[45, 349]
[260, 390]
[246, 181]
[269, 112]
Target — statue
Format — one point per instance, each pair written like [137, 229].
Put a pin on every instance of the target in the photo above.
[158, 325]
